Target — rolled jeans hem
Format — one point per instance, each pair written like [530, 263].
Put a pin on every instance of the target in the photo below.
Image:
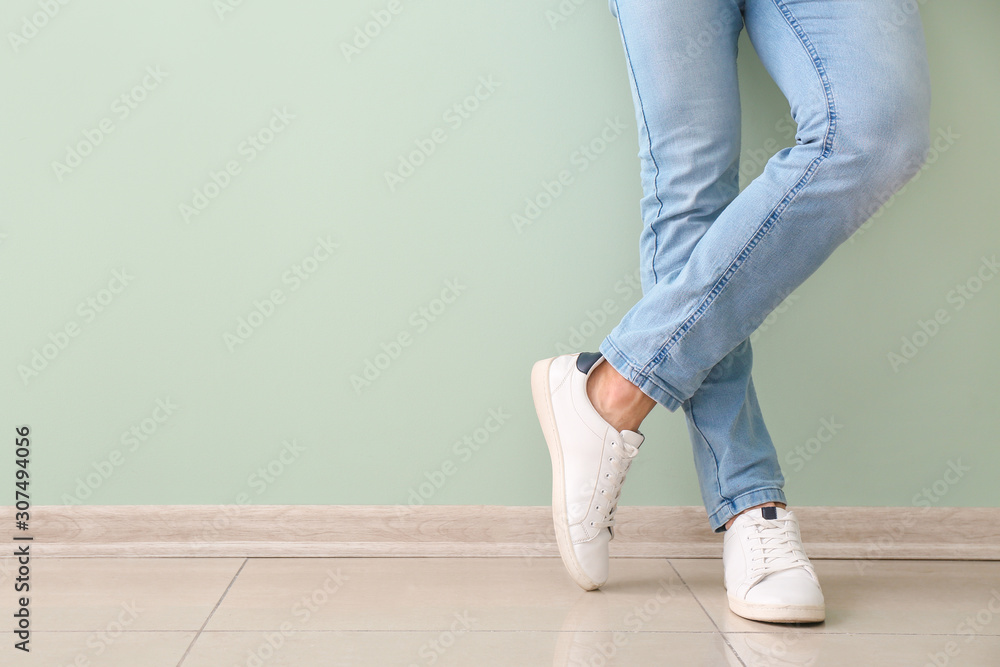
[659, 391]
[734, 506]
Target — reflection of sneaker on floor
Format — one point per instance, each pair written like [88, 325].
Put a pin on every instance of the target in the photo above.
[583, 639]
[779, 650]
[589, 462]
[768, 576]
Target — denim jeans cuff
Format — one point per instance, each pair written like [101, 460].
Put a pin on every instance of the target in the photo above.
[731, 508]
[652, 388]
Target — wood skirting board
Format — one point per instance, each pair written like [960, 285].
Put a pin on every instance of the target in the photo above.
[867, 533]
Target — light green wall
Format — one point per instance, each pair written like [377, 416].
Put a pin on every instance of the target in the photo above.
[162, 336]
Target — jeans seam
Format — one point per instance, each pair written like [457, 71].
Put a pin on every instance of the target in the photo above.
[779, 208]
[649, 144]
[807, 44]
[715, 458]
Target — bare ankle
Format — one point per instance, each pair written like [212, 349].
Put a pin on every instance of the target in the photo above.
[618, 401]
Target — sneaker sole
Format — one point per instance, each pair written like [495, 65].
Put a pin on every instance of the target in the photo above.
[546, 417]
[776, 613]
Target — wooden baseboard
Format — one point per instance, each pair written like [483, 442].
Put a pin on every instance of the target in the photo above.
[483, 530]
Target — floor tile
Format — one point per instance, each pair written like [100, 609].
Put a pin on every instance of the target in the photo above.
[110, 649]
[909, 597]
[433, 593]
[482, 649]
[127, 593]
[496, 611]
[792, 648]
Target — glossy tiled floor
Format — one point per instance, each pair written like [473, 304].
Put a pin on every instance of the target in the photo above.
[224, 612]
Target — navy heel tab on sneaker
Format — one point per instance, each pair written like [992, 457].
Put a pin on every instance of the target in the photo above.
[586, 361]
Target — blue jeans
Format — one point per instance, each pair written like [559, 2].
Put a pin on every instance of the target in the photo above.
[715, 261]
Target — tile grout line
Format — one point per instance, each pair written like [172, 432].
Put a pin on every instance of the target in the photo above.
[212, 613]
[705, 611]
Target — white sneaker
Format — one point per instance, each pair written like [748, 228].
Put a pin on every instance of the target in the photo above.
[768, 576]
[589, 462]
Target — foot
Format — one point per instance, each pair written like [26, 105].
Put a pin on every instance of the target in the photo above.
[590, 458]
[768, 576]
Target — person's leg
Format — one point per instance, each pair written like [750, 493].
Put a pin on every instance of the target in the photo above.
[735, 458]
[696, 95]
[860, 97]
[681, 62]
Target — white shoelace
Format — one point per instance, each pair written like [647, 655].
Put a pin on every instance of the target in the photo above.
[773, 548]
[611, 483]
